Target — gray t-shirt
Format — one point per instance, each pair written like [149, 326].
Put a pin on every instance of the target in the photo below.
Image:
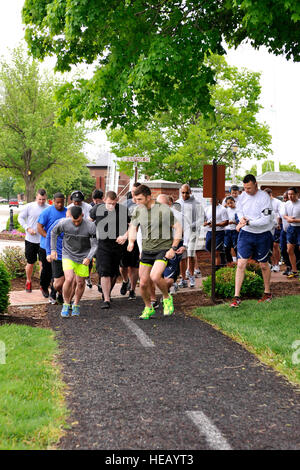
[78, 242]
[28, 218]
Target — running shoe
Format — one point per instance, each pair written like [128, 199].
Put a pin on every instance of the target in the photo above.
[59, 299]
[52, 300]
[28, 286]
[125, 287]
[266, 298]
[65, 310]
[147, 313]
[174, 288]
[187, 273]
[99, 287]
[286, 272]
[155, 304]
[183, 283]
[88, 283]
[197, 273]
[105, 305]
[75, 310]
[45, 292]
[275, 268]
[192, 281]
[292, 275]
[168, 306]
[132, 295]
[236, 302]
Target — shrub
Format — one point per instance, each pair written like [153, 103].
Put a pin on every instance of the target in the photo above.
[252, 265]
[4, 287]
[252, 286]
[17, 226]
[14, 260]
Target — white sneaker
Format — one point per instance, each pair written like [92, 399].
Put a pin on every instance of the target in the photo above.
[275, 268]
[197, 273]
[183, 283]
[174, 288]
[187, 273]
[192, 281]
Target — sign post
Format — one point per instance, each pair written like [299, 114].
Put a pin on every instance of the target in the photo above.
[213, 187]
[135, 159]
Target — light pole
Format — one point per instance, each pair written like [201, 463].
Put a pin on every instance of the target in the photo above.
[234, 149]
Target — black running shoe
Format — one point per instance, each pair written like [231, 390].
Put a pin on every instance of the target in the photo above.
[132, 295]
[125, 287]
[45, 292]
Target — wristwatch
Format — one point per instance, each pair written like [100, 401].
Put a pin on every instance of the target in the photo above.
[174, 248]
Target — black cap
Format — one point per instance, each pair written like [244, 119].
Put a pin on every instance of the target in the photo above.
[77, 196]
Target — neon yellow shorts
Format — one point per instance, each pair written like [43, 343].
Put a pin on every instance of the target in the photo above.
[79, 269]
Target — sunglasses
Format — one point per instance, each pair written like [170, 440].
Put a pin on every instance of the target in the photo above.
[185, 192]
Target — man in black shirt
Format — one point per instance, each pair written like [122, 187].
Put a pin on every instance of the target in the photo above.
[112, 222]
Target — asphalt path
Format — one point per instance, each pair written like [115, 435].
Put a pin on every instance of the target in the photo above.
[167, 383]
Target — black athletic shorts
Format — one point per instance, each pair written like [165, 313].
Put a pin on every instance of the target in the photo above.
[108, 258]
[57, 270]
[148, 258]
[31, 251]
[130, 259]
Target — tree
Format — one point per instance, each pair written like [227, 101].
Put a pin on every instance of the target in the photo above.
[32, 145]
[79, 179]
[179, 147]
[7, 186]
[149, 56]
[288, 167]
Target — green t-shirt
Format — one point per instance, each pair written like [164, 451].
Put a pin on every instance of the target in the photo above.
[156, 226]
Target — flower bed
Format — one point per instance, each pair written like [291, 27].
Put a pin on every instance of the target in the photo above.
[13, 235]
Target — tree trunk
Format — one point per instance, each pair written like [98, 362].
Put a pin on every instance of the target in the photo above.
[30, 189]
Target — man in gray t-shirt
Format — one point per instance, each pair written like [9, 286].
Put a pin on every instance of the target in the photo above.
[79, 247]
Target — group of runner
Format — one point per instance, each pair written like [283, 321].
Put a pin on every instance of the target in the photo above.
[152, 241]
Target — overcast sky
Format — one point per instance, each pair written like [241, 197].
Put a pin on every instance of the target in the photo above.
[280, 83]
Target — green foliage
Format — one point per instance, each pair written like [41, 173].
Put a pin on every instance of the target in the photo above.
[32, 144]
[288, 167]
[179, 147]
[14, 261]
[252, 287]
[4, 287]
[17, 225]
[149, 56]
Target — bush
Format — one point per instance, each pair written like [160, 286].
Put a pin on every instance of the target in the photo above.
[17, 226]
[252, 265]
[4, 287]
[14, 261]
[253, 285]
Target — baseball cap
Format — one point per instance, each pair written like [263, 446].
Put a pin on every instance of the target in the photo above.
[77, 196]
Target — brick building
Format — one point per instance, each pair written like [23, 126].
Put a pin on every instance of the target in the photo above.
[106, 176]
[278, 181]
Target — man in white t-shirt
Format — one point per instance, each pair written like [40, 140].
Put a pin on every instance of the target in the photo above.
[254, 210]
[276, 206]
[28, 218]
[292, 216]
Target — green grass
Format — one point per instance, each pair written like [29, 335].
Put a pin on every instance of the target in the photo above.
[268, 330]
[32, 409]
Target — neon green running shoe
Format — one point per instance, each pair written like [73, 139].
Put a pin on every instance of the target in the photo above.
[168, 306]
[147, 313]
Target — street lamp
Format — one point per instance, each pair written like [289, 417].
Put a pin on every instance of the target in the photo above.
[234, 149]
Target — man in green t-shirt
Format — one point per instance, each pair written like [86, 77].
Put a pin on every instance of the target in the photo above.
[156, 222]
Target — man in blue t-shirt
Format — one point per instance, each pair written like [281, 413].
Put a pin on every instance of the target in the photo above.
[45, 220]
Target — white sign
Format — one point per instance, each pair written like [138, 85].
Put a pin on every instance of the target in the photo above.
[135, 159]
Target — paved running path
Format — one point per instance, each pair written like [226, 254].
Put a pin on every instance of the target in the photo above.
[172, 383]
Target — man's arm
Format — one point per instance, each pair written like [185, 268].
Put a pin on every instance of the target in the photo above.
[41, 230]
[132, 234]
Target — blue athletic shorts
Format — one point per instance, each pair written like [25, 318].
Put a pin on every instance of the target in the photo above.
[173, 267]
[230, 239]
[219, 241]
[255, 245]
[276, 236]
[293, 235]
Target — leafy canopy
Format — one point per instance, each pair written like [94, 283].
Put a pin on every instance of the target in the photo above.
[179, 147]
[149, 56]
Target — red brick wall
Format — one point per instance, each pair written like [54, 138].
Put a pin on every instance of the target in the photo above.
[278, 190]
[174, 192]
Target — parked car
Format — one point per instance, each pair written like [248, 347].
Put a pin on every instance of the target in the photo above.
[13, 202]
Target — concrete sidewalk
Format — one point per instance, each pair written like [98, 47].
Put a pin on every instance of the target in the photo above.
[35, 297]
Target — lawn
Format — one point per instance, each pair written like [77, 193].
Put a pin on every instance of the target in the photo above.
[271, 330]
[32, 409]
